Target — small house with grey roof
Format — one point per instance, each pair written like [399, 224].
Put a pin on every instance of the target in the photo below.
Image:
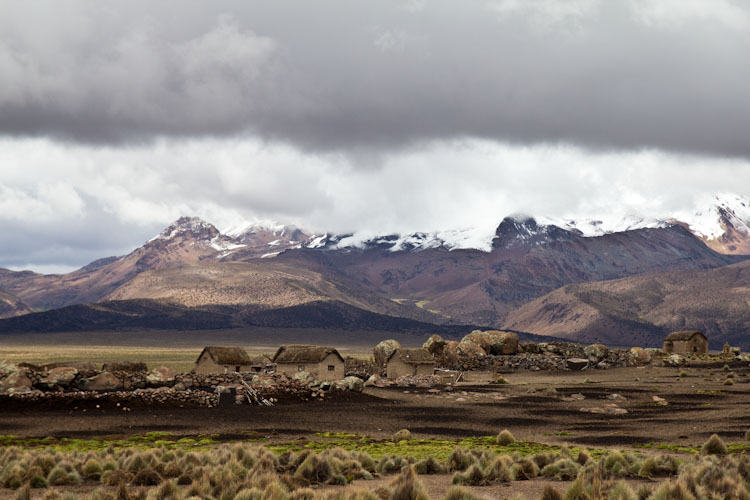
[322, 363]
[409, 362]
[690, 342]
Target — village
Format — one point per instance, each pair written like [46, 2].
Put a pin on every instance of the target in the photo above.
[228, 375]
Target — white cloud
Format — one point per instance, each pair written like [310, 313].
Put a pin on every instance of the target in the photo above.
[55, 192]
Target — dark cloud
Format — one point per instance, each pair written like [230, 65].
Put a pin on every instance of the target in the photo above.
[367, 78]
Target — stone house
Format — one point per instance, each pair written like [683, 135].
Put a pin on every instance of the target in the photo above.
[409, 362]
[214, 359]
[322, 363]
[691, 342]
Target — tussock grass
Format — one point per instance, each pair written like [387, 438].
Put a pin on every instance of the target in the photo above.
[504, 438]
[714, 446]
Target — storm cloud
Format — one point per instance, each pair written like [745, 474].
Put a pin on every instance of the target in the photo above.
[384, 116]
[364, 77]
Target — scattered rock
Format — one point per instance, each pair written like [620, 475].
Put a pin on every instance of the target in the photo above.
[60, 377]
[577, 363]
[659, 401]
[639, 356]
[160, 376]
[674, 360]
[105, 381]
[596, 352]
[353, 384]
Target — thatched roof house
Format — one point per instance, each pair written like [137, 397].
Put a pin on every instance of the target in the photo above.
[687, 342]
[216, 359]
[322, 363]
[409, 362]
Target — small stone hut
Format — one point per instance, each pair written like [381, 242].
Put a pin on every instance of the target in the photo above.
[409, 362]
[214, 359]
[322, 363]
[692, 342]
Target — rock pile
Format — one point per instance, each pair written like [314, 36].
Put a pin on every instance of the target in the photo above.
[160, 385]
[495, 350]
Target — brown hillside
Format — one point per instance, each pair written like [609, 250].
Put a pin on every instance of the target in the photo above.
[640, 310]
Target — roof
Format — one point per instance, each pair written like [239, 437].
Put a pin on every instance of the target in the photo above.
[300, 353]
[414, 356]
[227, 355]
[261, 360]
[684, 335]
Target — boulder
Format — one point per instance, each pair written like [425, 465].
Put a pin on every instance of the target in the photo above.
[480, 338]
[576, 363]
[469, 349]
[353, 384]
[502, 343]
[13, 379]
[374, 381]
[639, 356]
[160, 376]
[383, 351]
[303, 376]
[674, 360]
[596, 352]
[435, 344]
[105, 381]
[62, 377]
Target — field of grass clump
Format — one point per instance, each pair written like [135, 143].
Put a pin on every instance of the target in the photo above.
[158, 466]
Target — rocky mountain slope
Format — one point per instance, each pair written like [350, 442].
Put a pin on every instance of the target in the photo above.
[456, 277]
[188, 240]
[10, 306]
[641, 310]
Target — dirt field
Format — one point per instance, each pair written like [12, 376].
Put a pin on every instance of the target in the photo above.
[542, 407]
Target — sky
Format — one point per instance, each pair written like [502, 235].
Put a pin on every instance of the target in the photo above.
[350, 115]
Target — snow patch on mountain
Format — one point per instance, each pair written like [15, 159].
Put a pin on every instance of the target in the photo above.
[590, 228]
[724, 209]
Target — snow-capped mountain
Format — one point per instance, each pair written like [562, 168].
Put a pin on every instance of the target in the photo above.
[724, 225]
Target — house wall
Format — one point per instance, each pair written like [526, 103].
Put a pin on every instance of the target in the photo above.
[319, 371]
[396, 368]
[206, 365]
[696, 345]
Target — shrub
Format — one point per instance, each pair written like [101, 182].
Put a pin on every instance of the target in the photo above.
[683, 373]
[564, 469]
[499, 470]
[644, 492]
[504, 438]
[729, 381]
[726, 368]
[406, 486]
[588, 381]
[147, 477]
[473, 476]
[524, 469]
[38, 481]
[91, 469]
[620, 491]
[275, 491]
[459, 493]
[501, 380]
[402, 435]
[460, 459]
[714, 446]
[551, 493]
[249, 494]
[583, 457]
[24, 493]
[302, 494]
[60, 475]
[429, 466]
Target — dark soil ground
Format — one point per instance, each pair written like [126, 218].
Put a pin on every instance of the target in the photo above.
[535, 406]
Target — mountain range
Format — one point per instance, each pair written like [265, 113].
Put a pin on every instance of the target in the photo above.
[538, 275]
